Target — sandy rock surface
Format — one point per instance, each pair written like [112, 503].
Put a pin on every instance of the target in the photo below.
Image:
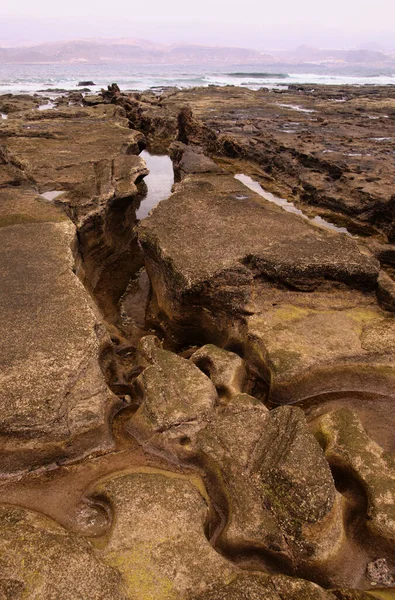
[199, 405]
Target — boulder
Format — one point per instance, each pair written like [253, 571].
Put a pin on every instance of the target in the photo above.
[267, 472]
[226, 369]
[298, 485]
[188, 160]
[172, 389]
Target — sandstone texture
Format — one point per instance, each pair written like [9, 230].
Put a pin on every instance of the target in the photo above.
[229, 268]
[197, 405]
[55, 402]
[329, 148]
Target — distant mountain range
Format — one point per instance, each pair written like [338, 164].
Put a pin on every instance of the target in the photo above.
[145, 52]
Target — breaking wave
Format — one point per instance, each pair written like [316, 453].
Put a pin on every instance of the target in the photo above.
[262, 75]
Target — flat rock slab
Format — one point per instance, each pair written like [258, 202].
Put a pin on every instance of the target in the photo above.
[155, 548]
[213, 223]
[54, 402]
[83, 151]
[229, 268]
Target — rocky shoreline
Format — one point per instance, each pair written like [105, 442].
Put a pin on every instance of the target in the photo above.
[198, 405]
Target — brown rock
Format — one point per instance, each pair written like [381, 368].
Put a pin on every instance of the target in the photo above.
[229, 268]
[348, 447]
[55, 404]
[39, 559]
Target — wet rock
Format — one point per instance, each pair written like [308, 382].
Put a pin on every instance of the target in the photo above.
[302, 143]
[39, 559]
[85, 83]
[348, 447]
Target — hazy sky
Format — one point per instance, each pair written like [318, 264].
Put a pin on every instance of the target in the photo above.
[251, 22]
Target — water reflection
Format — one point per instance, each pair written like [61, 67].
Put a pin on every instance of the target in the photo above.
[159, 181]
[285, 205]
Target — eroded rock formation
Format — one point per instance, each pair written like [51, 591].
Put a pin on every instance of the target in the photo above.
[198, 406]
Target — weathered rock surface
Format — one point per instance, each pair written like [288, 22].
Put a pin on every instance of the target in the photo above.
[174, 390]
[165, 552]
[327, 147]
[39, 559]
[54, 401]
[196, 490]
[188, 160]
[249, 284]
[55, 152]
[157, 540]
[266, 468]
[226, 369]
[347, 446]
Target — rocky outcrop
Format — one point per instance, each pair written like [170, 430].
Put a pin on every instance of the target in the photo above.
[174, 391]
[188, 160]
[349, 448]
[165, 463]
[266, 470]
[328, 148]
[250, 286]
[55, 152]
[55, 402]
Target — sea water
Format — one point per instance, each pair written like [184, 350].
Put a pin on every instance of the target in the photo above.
[31, 78]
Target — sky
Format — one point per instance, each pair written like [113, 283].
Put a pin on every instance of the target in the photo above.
[252, 23]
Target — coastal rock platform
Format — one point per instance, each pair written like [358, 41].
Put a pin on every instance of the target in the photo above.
[198, 405]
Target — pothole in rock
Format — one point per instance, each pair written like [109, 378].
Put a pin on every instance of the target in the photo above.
[159, 181]
[285, 205]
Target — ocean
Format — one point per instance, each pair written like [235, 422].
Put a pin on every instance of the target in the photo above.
[32, 78]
